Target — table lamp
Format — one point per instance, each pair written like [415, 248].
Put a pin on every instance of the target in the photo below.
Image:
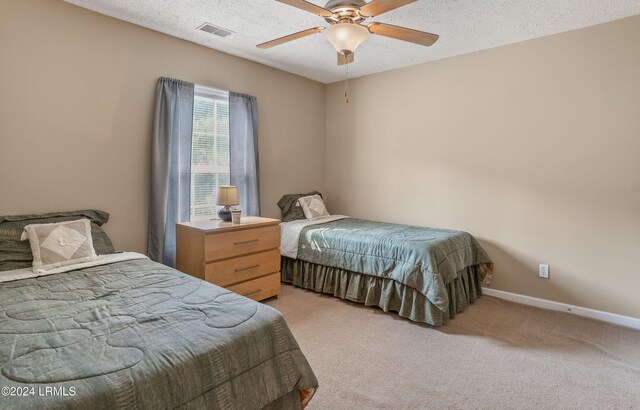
[227, 196]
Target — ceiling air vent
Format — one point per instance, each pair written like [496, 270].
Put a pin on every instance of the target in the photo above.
[218, 31]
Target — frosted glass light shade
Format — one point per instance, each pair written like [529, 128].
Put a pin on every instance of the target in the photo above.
[227, 195]
[346, 36]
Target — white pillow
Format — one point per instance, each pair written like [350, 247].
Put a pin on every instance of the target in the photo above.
[60, 244]
[313, 207]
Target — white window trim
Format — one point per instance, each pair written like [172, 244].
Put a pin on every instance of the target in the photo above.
[210, 92]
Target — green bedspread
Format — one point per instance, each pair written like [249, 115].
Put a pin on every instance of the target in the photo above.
[137, 334]
[424, 259]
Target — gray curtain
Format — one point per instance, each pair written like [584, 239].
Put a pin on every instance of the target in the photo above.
[170, 167]
[243, 147]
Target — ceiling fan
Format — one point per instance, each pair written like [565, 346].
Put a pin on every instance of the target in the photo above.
[345, 31]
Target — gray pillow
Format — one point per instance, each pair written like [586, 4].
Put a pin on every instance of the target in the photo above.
[289, 206]
[16, 254]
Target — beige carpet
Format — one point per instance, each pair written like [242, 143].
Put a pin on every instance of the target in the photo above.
[497, 354]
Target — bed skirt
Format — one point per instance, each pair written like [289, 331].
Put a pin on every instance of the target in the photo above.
[387, 294]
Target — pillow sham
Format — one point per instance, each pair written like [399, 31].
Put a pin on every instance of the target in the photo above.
[16, 254]
[313, 207]
[60, 244]
[291, 209]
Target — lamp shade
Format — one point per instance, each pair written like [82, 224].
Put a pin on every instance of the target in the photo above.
[227, 196]
[346, 36]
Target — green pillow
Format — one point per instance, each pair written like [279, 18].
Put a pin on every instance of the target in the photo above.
[288, 206]
[16, 254]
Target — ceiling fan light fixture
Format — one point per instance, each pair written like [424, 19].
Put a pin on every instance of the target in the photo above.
[346, 37]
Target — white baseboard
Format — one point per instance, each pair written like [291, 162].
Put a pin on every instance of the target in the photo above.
[626, 321]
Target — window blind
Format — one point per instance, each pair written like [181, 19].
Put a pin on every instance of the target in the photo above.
[210, 150]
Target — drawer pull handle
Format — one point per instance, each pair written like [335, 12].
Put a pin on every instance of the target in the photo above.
[252, 293]
[247, 268]
[245, 242]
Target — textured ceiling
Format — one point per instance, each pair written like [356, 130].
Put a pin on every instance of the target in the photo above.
[464, 26]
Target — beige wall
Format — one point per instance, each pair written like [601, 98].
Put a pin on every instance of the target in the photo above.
[76, 104]
[534, 148]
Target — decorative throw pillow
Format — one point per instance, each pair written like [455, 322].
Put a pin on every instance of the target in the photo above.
[60, 244]
[313, 207]
[16, 254]
[291, 209]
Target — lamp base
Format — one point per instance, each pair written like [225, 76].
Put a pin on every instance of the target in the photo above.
[225, 214]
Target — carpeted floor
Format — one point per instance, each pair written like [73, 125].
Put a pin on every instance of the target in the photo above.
[497, 354]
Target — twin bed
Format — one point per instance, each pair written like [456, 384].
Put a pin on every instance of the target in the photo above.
[424, 274]
[126, 332]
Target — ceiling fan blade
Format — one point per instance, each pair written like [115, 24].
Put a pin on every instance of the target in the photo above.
[345, 58]
[403, 33]
[306, 6]
[290, 37]
[377, 7]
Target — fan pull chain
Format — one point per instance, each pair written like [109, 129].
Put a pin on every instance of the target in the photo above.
[346, 84]
[346, 91]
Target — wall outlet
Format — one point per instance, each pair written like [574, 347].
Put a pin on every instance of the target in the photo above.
[543, 271]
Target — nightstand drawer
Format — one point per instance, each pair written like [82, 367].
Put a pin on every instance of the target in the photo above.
[260, 288]
[242, 268]
[236, 243]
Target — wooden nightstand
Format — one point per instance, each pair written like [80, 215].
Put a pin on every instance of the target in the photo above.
[244, 258]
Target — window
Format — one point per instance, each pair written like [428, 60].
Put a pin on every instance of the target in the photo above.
[210, 150]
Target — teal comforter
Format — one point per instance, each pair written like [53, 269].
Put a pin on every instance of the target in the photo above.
[424, 259]
[138, 334]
